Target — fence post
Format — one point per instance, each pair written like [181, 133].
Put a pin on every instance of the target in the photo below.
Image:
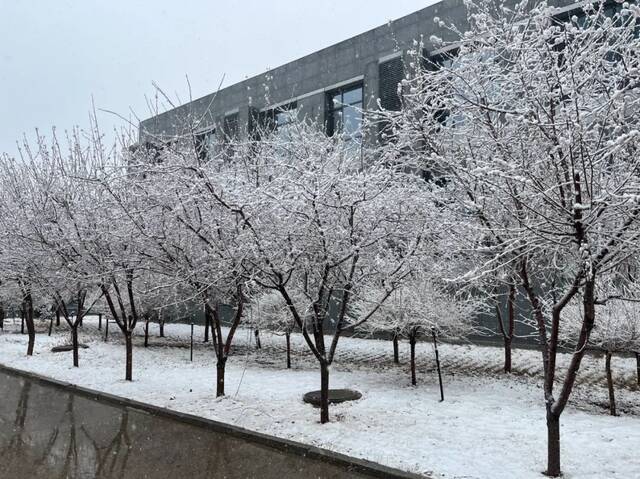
[192, 341]
[435, 345]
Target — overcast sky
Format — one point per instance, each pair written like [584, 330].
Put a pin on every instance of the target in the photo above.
[56, 54]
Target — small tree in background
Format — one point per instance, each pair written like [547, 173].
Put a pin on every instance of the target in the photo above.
[420, 306]
[502, 293]
[269, 311]
[617, 331]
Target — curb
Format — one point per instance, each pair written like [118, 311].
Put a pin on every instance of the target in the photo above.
[350, 464]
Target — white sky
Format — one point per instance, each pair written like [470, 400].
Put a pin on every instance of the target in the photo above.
[56, 54]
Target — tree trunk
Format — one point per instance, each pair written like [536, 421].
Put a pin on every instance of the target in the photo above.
[612, 396]
[146, 333]
[220, 369]
[74, 343]
[129, 359]
[1, 316]
[638, 367]
[511, 313]
[396, 350]
[507, 355]
[553, 445]
[58, 316]
[256, 333]
[324, 393]
[508, 331]
[99, 322]
[22, 321]
[288, 336]
[207, 324]
[32, 337]
[28, 319]
[412, 343]
[50, 326]
[162, 328]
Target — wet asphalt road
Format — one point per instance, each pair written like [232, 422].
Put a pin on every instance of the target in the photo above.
[47, 432]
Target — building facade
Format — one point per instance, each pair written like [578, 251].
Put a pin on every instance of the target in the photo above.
[331, 86]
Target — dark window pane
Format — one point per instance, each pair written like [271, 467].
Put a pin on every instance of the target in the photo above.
[205, 144]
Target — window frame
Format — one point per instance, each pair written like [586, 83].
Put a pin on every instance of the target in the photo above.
[331, 109]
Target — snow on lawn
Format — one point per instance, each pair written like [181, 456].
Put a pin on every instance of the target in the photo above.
[487, 428]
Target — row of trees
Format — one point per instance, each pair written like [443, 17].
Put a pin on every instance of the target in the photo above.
[512, 166]
[135, 231]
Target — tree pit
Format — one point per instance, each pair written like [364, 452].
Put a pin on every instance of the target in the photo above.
[67, 347]
[336, 396]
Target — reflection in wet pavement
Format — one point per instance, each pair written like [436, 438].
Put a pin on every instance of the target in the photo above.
[46, 432]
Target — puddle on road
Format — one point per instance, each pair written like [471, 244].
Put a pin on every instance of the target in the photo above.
[46, 432]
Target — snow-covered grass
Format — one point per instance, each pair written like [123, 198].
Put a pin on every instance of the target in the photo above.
[488, 426]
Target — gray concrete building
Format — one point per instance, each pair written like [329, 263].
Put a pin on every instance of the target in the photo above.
[330, 86]
[356, 73]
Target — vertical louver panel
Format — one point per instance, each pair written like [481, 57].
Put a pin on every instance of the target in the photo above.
[391, 73]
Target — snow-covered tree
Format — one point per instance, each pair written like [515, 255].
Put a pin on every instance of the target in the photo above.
[20, 257]
[530, 122]
[192, 235]
[57, 210]
[318, 219]
[94, 250]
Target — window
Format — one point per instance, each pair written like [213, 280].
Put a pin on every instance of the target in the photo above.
[229, 137]
[205, 144]
[284, 117]
[344, 112]
[442, 60]
[278, 120]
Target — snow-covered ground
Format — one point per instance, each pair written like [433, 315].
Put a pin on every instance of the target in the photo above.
[489, 426]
